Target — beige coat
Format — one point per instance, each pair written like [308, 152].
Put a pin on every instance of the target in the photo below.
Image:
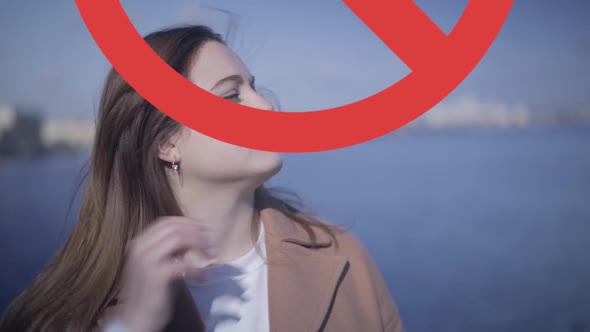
[325, 289]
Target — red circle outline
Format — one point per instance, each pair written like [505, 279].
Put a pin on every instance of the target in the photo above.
[439, 64]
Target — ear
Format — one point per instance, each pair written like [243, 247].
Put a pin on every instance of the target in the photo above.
[169, 150]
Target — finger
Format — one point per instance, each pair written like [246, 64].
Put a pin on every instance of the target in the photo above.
[197, 237]
[165, 228]
[175, 243]
[164, 222]
[197, 275]
[172, 270]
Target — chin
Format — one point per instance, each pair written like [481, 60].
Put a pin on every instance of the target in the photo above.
[267, 164]
[273, 162]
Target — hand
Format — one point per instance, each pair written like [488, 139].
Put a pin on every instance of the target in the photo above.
[152, 266]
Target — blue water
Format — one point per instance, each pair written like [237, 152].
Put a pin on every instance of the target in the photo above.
[473, 231]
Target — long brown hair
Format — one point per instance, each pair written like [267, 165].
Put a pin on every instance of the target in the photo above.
[126, 189]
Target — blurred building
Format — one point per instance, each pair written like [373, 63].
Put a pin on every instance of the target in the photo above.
[68, 134]
[472, 113]
[24, 132]
[20, 131]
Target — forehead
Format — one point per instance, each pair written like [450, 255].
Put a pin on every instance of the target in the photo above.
[215, 61]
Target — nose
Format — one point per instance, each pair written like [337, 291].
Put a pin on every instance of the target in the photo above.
[261, 103]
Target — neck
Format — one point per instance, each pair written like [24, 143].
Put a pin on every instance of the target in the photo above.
[228, 211]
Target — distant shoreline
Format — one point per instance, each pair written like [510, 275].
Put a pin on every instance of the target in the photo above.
[485, 129]
[66, 151]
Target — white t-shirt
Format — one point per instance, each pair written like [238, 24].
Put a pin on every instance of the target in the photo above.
[234, 296]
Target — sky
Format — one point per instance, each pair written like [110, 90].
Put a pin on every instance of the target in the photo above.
[313, 54]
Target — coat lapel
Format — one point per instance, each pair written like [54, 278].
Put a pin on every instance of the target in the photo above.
[301, 282]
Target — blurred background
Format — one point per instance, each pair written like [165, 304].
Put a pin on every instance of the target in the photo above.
[477, 213]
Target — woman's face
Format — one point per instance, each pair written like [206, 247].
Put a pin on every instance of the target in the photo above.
[205, 159]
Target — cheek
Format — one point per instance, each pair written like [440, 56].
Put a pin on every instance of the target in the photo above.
[209, 158]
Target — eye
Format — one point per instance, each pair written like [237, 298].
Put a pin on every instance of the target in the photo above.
[233, 97]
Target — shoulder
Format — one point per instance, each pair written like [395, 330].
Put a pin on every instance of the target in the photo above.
[346, 243]
[364, 276]
[321, 236]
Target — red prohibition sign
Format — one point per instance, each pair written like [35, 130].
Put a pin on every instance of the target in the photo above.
[438, 63]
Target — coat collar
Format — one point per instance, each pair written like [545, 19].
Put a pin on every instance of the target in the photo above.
[302, 281]
[282, 229]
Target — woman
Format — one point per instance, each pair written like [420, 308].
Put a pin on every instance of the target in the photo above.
[176, 231]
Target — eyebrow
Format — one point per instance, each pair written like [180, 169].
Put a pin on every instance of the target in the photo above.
[236, 78]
